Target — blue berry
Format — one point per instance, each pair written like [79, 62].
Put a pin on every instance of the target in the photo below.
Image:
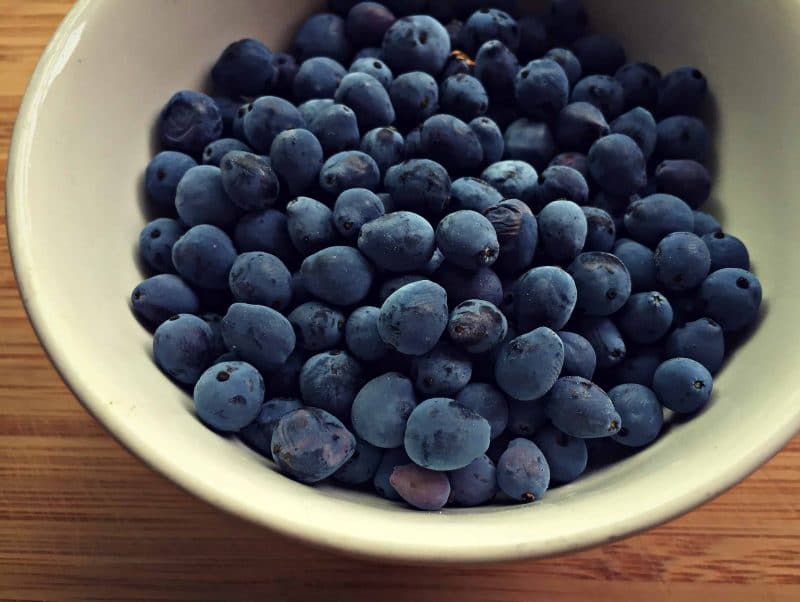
[201, 199]
[394, 284]
[287, 69]
[163, 296]
[336, 128]
[370, 52]
[265, 231]
[462, 285]
[204, 256]
[228, 396]
[414, 317]
[156, 241]
[228, 108]
[463, 96]
[296, 157]
[457, 63]
[422, 488]
[605, 339]
[444, 435]
[392, 458]
[189, 121]
[361, 334]
[368, 99]
[705, 223]
[214, 151]
[416, 43]
[385, 145]
[639, 366]
[381, 409]
[525, 418]
[474, 194]
[467, 239]
[237, 125]
[485, 25]
[451, 142]
[646, 317]
[362, 465]
[568, 19]
[682, 385]
[419, 185]
[731, 297]
[517, 234]
[682, 261]
[310, 445]
[182, 347]
[528, 365]
[569, 63]
[602, 91]
[602, 281]
[684, 178]
[259, 334]
[311, 109]
[682, 137]
[522, 471]
[444, 370]
[577, 161]
[562, 230]
[258, 434]
[598, 53]
[262, 279]
[681, 91]
[541, 88]
[488, 401]
[617, 164]
[701, 340]
[650, 219]
[317, 326]
[367, 22]
[269, 117]
[310, 225]
[580, 408]
[349, 169]
[512, 179]
[318, 77]
[490, 137]
[245, 68]
[162, 176]
[601, 231]
[330, 381]
[544, 296]
[339, 275]
[579, 357]
[639, 125]
[640, 84]
[475, 484]
[283, 380]
[477, 325]
[726, 251]
[556, 183]
[249, 181]
[579, 125]
[530, 141]
[322, 34]
[642, 417]
[496, 66]
[399, 242]
[566, 456]
[354, 208]
[415, 97]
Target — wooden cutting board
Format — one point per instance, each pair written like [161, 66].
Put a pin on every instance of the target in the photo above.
[81, 519]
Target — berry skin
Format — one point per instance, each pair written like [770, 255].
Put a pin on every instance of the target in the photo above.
[451, 142]
[705, 223]
[530, 141]
[399, 242]
[617, 164]
[424, 489]
[336, 128]
[579, 357]
[200, 198]
[477, 325]
[245, 68]
[354, 208]
[517, 234]
[310, 445]
[646, 317]
[444, 370]
[559, 183]
[731, 297]
[512, 179]
[182, 347]
[268, 117]
[682, 385]
[162, 176]
[418, 185]
[349, 169]
[598, 53]
[639, 366]
[415, 97]
[682, 261]
[682, 137]
[249, 180]
[579, 125]
[361, 334]
[262, 279]
[156, 241]
[317, 327]
[602, 91]
[488, 24]
[490, 137]
[528, 365]
[189, 121]
[496, 66]
[386, 147]
[580, 408]
[605, 339]
[641, 414]
[362, 465]
[474, 194]
[444, 435]
[258, 434]
[566, 456]
[684, 178]
[228, 396]
[568, 61]
[463, 96]
[322, 34]
[639, 125]
[326, 270]
[414, 317]
[522, 471]
[544, 296]
[367, 23]
[310, 225]
[462, 285]
[601, 231]
[213, 153]
[374, 68]
[381, 409]
[475, 484]
[368, 99]
[392, 458]
[541, 89]
[162, 296]
[488, 401]
[701, 340]
[602, 281]
[525, 418]
[681, 91]
[311, 109]
[330, 380]
[726, 251]
[297, 158]
[639, 82]
[260, 335]
[650, 219]
[562, 230]
[467, 239]
[203, 256]
[416, 43]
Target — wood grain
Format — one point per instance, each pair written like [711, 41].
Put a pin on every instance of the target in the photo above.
[80, 519]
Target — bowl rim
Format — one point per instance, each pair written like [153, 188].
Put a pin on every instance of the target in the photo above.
[314, 533]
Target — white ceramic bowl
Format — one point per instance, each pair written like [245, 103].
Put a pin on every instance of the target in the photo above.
[74, 213]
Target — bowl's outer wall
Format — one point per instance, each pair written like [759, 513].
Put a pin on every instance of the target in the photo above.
[84, 137]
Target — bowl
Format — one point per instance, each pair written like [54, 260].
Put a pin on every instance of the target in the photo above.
[79, 149]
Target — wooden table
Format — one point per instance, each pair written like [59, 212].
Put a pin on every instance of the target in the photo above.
[81, 519]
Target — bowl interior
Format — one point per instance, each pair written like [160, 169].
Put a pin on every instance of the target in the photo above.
[75, 211]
